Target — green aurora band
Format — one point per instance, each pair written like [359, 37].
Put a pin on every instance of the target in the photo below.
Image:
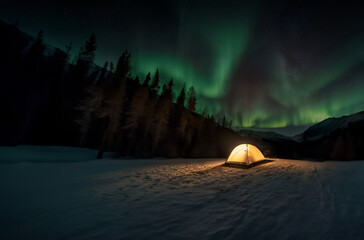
[327, 89]
[227, 38]
[264, 64]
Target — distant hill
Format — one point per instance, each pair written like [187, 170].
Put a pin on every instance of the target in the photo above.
[263, 135]
[340, 138]
[328, 126]
[289, 130]
[335, 138]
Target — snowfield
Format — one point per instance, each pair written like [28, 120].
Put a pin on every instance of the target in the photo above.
[64, 193]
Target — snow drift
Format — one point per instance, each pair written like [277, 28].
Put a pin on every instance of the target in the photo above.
[179, 199]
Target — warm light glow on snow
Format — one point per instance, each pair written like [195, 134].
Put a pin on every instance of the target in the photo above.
[245, 154]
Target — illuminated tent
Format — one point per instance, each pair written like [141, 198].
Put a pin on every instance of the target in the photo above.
[245, 154]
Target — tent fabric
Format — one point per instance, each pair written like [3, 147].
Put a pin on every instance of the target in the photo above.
[245, 154]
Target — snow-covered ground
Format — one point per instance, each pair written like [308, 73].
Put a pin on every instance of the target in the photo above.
[67, 194]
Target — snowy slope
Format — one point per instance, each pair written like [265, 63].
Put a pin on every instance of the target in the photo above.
[328, 126]
[180, 199]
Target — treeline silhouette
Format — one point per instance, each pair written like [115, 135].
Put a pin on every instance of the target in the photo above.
[50, 99]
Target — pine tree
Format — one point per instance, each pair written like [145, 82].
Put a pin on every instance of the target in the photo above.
[181, 119]
[211, 125]
[91, 104]
[154, 86]
[150, 110]
[86, 54]
[136, 110]
[89, 49]
[111, 69]
[182, 125]
[182, 96]
[223, 121]
[102, 76]
[80, 76]
[162, 113]
[167, 90]
[191, 99]
[115, 103]
[161, 121]
[191, 123]
[147, 80]
[170, 90]
[149, 116]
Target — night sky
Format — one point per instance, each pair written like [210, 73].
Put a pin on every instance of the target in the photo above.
[266, 64]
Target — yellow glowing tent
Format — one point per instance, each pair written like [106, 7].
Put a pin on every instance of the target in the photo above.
[245, 155]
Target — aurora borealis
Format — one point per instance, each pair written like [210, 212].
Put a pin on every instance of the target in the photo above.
[263, 64]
